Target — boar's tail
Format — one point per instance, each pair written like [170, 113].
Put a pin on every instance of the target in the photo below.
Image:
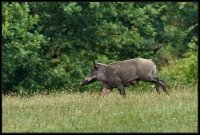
[156, 49]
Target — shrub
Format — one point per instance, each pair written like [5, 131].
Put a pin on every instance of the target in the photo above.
[183, 71]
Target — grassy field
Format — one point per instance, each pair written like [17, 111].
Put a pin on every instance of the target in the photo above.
[87, 112]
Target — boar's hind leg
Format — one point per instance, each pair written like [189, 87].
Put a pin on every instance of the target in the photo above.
[161, 82]
[153, 78]
[157, 85]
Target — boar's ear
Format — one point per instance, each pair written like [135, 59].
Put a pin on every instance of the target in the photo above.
[94, 65]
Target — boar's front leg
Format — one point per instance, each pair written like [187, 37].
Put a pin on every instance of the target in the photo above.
[121, 90]
[106, 90]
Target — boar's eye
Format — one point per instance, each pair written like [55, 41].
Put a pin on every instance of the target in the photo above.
[94, 69]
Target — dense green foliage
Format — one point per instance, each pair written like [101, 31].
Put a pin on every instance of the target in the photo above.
[51, 45]
[182, 71]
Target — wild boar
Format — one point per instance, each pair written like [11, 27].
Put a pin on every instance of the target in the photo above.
[121, 74]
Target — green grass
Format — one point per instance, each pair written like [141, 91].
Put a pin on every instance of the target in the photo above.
[87, 112]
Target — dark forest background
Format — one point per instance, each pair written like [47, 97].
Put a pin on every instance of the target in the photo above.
[50, 46]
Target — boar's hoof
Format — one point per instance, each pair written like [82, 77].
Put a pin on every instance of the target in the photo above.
[105, 91]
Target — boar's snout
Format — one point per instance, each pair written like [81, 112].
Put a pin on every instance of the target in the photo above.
[88, 80]
[85, 82]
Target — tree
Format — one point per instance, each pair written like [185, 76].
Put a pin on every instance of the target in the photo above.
[51, 45]
[21, 56]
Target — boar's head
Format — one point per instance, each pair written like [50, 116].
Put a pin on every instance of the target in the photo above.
[97, 73]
